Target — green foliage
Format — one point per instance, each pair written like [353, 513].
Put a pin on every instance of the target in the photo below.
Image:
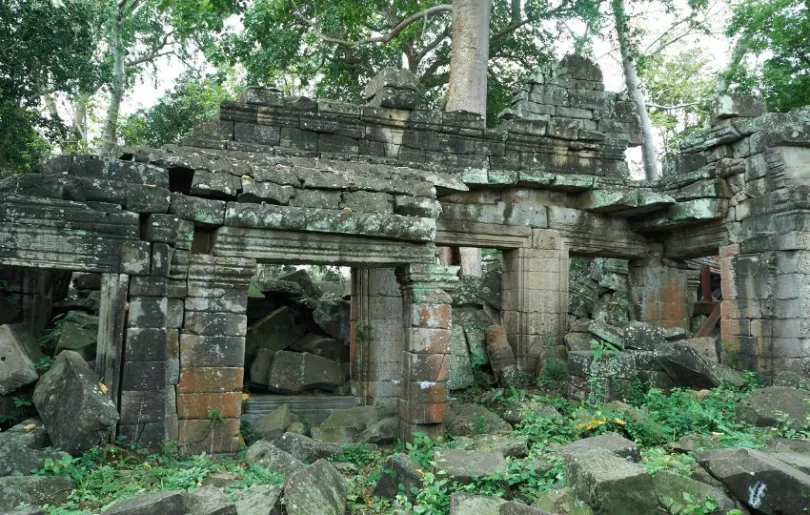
[603, 349]
[358, 454]
[657, 458]
[215, 417]
[689, 505]
[194, 99]
[778, 31]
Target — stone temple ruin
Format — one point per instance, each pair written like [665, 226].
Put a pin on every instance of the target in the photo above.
[167, 241]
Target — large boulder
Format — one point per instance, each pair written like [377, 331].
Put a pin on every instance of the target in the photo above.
[267, 455]
[208, 500]
[768, 406]
[302, 279]
[670, 489]
[33, 491]
[333, 316]
[562, 500]
[318, 488]
[468, 419]
[399, 469]
[20, 455]
[19, 353]
[205, 501]
[258, 499]
[794, 459]
[464, 466]
[306, 449]
[274, 332]
[274, 424]
[609, 484]
[292, 372]
[76, 413]
[471, 504]
[762, 482]
[610, 442]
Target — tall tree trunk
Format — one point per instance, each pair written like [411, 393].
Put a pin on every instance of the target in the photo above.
[737, 54]
[469, 57]
[648, 153]
[110, 135]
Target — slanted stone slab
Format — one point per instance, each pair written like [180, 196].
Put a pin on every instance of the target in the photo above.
[322, 346]
[611, 442]
[762, 482]
[21, 455]
[258, 499]
[508, 446]
[274, 332]
[292, 372]
[399, 469]
[274, 424]
[76, 413]
[462, 419]
[33, 491]
[306, 449]
[670, 489]
[641, 336]
[19, 352]
[464, 466]
[208, 500]
[344, 426]
[607, 332]
[318, 488]
[610, 484]
[624, 202]
[470, 504]
[687, 367]
[461, 374]
[682, 214]
[266, 454]
[763, 407]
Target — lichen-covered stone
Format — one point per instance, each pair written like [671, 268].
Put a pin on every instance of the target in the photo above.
[318, 488]
[19, 352]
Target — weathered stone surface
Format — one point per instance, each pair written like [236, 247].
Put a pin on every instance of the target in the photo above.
[306, 449]
[470, 504]
[322, 346]
[611, 442]
[274, 424]
[76, 413]
[79, 333]
[706, 347]
[266, 454]
[21, 455]
[508, 446]
[260, 367]
[502, 358]
[344, 426]
[518, 508]
[763, 407]
[794, 459]
[383, 432]
[170, 503]
[687, 367]
[33, 491]
[670, 489]
[476, 324]
[318, 488]
[208, 500]
[562, 500]
[291, 372]
[734, 106]
[463, 419]
[392, 88]
[19, 352]
[461, 375]
[399, 469]
[610, 484]
[641, 336]
[333, 314]
[516, 413]
[464, 466]
[275, 332]
[762, 482]
[607, 332]
[258, 499]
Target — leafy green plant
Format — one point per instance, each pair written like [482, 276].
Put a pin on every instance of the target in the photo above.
[215, 417]
[422, 449]
[689, 505]
[730, 353]
[359, 454]
[603, 349]
[479, 426]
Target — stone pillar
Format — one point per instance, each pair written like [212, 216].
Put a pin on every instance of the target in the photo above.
[211, 353]
[377, 337]
[426, 358]
[535, 299]
[659, 295]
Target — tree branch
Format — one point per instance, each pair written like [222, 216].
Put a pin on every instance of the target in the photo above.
[150, 57]
[672, 108]
[433, 44]
[377, 39]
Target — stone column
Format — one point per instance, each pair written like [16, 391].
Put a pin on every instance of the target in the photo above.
[426, 358]
[535, 299]
[211, 353]
[659, 295]
[377, 337]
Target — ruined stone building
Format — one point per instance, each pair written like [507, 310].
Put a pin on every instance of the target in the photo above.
[176, 234]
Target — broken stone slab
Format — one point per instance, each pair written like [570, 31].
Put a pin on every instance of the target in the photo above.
[611, 442]
[79, 334]
[611, 334]
[502, 358]
[737, 106]
[274, 332]
[422, 207]
[333, 316]
[399, 469]
[168, 503]
[670, 489]
[260, 367]
[516, 413]
[306, 449]
[794, 459]
[267, 455]
[19, 352]
[257, 192]
[765, 407]
[322, 346]
[706, 347]
[610, 484]
[641, 336]
[466, 419]
[303, 279]
[471, 504]
[21, 455]
[682, 214]
[461, 374]
[687, 367]
[76, 413]
[343, 426]
[624, 203]
[508, 446]
[762, 482]
[675, 334]
[291, 372]
[382, 432]
[561, 500]
[33, 491]
[274, 424]
[465, 466]
[318, 488]
[392, 88]
[476, 324]
[208, 500]
[258, 499]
